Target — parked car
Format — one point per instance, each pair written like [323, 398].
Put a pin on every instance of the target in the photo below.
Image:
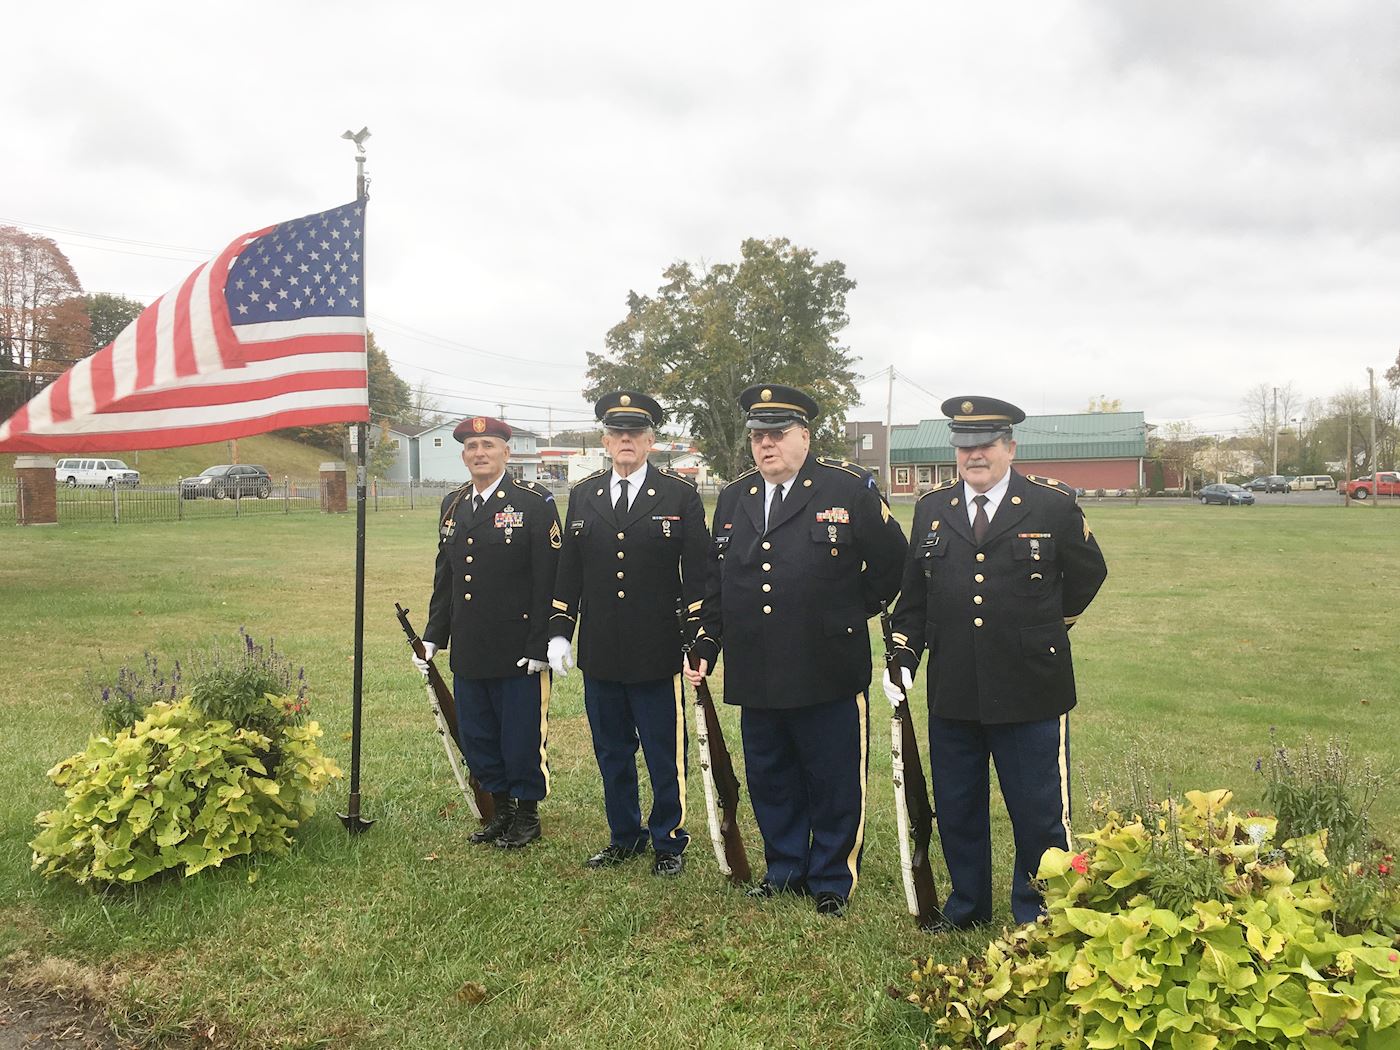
[1382, 483]
[1269, 483]
[1312, 482]
[227, 481]
[109, 472]
[1225, 493]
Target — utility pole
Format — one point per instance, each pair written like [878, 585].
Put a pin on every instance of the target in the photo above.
[1375, 465]
[1275, 470]
[889, 426]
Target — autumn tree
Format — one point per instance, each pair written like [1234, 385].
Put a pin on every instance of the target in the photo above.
[41, 328]
[1103, 403]
[710, 331]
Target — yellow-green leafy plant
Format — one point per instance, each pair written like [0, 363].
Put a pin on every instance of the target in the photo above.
[1122, 959]
[181, 790]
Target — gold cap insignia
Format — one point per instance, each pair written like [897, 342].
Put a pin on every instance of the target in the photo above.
[478, 424]
[766, 395]
[624, 400]
[967, 408]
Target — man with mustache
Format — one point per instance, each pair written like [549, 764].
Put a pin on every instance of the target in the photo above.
[1000, 566]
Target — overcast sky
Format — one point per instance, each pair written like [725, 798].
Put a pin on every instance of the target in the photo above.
[1165, 202]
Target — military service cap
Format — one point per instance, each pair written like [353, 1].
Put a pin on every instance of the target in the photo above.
[482, 426]
[979, 420]
[628, 410]
[772, 407]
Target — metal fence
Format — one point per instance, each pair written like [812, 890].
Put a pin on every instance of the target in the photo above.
[165, 503]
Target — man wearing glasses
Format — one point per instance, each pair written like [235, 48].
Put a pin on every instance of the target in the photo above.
[804, 552]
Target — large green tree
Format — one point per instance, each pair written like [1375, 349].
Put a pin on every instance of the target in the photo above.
[108, 316]
[708, 332]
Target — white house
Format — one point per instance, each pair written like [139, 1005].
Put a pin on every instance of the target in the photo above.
[431, 453]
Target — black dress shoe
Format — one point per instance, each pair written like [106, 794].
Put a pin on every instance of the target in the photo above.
[498, 824]
[668, 864]
[761, 890]
[831, 904]
[610, 856]
[524, 826]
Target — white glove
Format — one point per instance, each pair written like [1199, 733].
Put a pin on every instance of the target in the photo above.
[561, 656]
[531, 666]
[428, 650]
[893, 693]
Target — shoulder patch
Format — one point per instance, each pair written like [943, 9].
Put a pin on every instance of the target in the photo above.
[1052, 483]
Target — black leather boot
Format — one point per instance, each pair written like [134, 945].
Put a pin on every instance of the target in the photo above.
[525, 828]
[505, 813]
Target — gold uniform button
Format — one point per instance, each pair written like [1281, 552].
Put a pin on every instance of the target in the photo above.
[620, 555]
[468, 578]
[1016, 500]
[1052, 650]
[767, 587]
[470, 541]
[767, 546]
[850, 630]
[976, 599]
[767, 609]
[979, 578]
[977, 622]
[767, 566]
[622, 535]
[981, 556]
[468, 596]
[622, 594]
[619, 574]
[469, 559]
[835, 552]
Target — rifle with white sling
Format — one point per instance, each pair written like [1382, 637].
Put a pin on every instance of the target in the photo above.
[913, 812]
[445, 713]
[721, 785]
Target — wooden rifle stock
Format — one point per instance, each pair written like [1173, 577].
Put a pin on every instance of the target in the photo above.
[726, 784]
[914, 788]
[447, 708]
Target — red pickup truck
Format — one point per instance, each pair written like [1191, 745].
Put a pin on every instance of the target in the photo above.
[1383, 483]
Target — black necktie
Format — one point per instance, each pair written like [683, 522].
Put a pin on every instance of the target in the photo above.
[477, 501]
[620, 507]
[775, 505]
[980, 522]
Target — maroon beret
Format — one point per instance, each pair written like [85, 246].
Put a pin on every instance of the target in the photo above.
[482, 426]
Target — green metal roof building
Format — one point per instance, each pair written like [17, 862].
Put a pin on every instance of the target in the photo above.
[1090, 450]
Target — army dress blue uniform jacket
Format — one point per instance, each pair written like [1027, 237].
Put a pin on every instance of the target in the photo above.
[493, 579]
[995, 616]
[790, 606]
[625, 577]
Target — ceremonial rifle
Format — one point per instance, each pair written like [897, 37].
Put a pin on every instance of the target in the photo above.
[913, 812]
[721, 785]
[445, 714]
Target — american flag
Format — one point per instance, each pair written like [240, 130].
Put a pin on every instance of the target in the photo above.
[269, 334]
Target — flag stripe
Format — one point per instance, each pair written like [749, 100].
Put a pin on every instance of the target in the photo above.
[137, 345]
[181, 341]
[239, 393]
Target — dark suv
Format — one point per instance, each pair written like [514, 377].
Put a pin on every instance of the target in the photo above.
[228, 481]
[1269, 483]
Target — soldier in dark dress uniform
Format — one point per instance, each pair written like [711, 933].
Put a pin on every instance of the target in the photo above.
[498, 549]
[1000, 566]
[634, 550]
[804, 552]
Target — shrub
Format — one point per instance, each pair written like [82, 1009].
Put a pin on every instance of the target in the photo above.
[1199, 928]
[228, 771]
[122, 700]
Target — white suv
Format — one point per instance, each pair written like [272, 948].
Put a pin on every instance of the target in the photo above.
[109, 472]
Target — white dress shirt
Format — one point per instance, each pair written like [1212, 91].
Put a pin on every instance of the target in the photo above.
[769, 488]
[994, 495]
[636, 481]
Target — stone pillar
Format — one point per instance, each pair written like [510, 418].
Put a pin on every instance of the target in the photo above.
[37, 504]
[332, 488]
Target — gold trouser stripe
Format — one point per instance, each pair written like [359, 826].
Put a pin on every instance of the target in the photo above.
[854, 856]
[680, 750]
[1064, 778]
[544, 678]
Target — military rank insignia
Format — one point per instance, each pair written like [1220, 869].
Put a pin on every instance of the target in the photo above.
[555, 539]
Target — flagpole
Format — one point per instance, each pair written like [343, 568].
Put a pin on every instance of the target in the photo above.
[354, 823]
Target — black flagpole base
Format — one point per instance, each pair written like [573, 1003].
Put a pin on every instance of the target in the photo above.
[354, 823]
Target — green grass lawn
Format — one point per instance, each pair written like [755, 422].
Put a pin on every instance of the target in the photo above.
[1215, 625]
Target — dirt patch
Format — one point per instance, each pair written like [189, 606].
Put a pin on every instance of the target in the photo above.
[30, 1020]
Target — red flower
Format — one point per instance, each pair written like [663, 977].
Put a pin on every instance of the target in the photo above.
[1383, 869]
[1080, 863]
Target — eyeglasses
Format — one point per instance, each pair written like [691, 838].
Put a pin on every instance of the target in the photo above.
[758, 437]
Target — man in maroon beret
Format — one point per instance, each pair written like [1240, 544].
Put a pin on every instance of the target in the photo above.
[498, 549]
